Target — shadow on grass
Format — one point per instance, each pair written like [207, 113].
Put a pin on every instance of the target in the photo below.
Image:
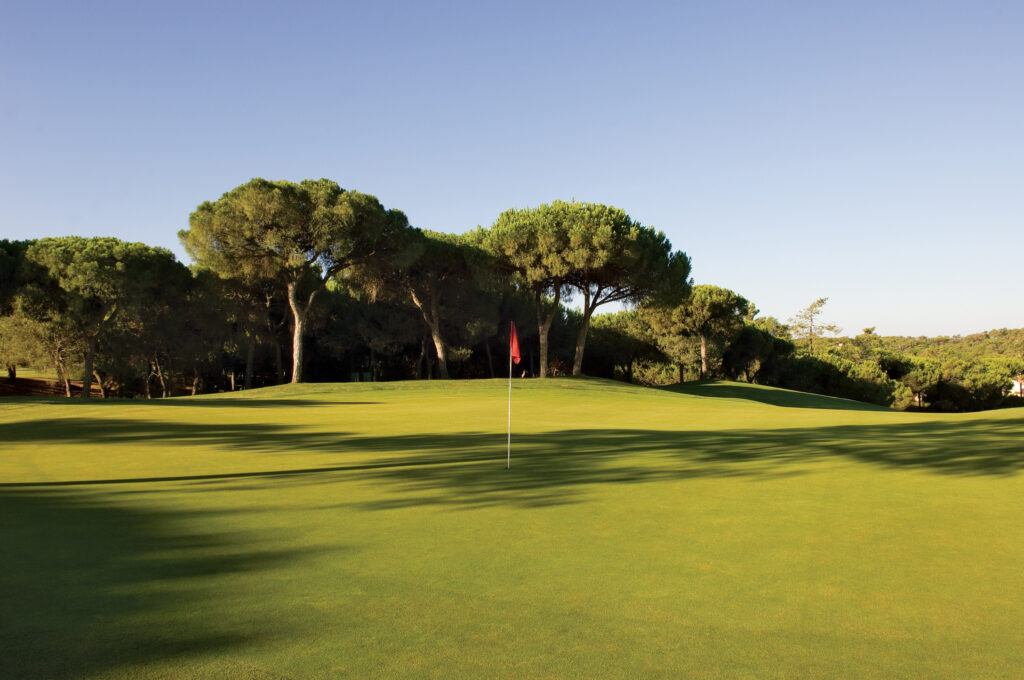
[550, 468]
[203, 401]
[259, 436]
[252, 402]
[773, 396]
[547, 468]
[88, 587]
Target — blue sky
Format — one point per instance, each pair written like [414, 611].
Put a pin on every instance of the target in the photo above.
[869, 152]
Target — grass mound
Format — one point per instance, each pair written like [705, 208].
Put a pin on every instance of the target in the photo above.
[372, 530]
[770, 395]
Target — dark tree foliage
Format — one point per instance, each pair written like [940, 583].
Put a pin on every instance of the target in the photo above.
[12, 263]
[532, 245]
[590, 249]
[618, 343]
[834, 376]
[299, 235]
[709, 313]
[95, 284]
[756, 355]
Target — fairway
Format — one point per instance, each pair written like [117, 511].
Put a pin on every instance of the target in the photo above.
[371, 530]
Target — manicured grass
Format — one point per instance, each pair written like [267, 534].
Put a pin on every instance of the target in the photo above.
[371, 530]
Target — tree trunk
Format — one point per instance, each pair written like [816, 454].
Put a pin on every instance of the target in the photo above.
[145, 382]
[62, 373]
[90, 351]
[250, 361]
[432, 317]
[103, 388]
[581, 340]
[195, 382]
[297, 349]
[373, 365]
[12, 372]
[544, 325]
[160, 378]
[490, 360]
[231, 379]
[703, 356]
[442, 358]
[581, 337]
[682, 373]
[299, 312]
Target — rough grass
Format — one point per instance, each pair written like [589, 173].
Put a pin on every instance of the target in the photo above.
[371, 530]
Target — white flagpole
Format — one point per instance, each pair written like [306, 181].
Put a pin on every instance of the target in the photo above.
[508, 465]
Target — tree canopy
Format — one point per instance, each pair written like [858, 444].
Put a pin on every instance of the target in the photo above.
[593, 249]
[440, 280]
[709, 312]
[616, 259]
[298, 235]
[89, 282]
[12, 255]
[533, 245]
[804, 326]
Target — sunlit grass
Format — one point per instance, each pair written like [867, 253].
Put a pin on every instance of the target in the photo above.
[372, 530]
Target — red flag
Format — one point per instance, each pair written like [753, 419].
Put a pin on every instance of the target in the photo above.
[513, 344]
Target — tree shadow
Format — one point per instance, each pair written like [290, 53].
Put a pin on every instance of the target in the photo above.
[202, 400]
[773, 396]
[87, 586]
[257, 436]
[252, 402]
[468, 468]
[552, 468]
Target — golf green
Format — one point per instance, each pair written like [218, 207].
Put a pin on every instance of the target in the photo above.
[366, 530]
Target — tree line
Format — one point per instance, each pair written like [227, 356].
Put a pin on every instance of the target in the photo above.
[971, 373]
[328, 276]
[308, 281]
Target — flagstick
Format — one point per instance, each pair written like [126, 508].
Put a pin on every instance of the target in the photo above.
[508, 465]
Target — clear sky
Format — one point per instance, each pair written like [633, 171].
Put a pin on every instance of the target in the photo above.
[872, 152]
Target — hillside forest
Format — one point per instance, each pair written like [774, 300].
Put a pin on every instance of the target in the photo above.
[310, 282]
